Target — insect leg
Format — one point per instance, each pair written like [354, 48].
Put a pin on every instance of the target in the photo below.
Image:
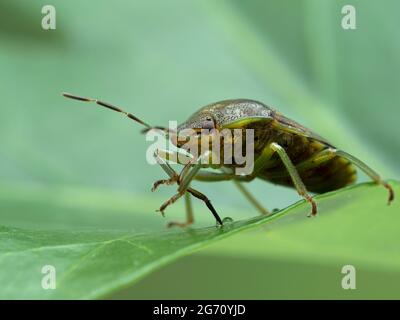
[173, 176]
[208, 176]
[314, 161]
[215, 176]
[196, 194]
[262, 161]
[189, 213]
[167, 182]
[251, 198]
[190, 171]
[317, 159]
[370, 172]
[298, 183]
[259, 164]
[184, 180]
[189, 209]
[162, 156]
[202, 197]
[173, 156]
[188, 201]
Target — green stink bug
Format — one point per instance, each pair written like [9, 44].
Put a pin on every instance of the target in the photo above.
[285, 153]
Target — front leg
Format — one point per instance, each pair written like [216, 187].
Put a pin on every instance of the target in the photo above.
[174, 176]
[189, 214]
[162, 158]
[185, 177]
[164, 181]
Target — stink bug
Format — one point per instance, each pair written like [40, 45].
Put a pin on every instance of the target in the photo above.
[285, 153]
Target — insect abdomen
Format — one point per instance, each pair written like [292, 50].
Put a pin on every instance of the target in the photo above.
[331, 175]
[327, 176]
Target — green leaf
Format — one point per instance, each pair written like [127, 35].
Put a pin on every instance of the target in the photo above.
[93, 263]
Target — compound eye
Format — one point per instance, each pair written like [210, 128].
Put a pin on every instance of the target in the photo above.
[208, 123]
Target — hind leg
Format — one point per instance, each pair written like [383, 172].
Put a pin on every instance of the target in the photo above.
[369, 171]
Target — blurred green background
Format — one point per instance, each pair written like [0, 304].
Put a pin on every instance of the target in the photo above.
[162, 60]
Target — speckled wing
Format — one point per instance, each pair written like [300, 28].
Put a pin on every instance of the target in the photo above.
[291, 126]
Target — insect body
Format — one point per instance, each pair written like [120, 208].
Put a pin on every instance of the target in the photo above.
[285, 153]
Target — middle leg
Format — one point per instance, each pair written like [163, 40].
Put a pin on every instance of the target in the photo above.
[237, 180]
[298, 183]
